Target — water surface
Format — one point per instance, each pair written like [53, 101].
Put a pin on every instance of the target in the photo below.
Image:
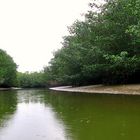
[47, 115]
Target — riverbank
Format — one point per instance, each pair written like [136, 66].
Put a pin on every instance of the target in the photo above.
[3, 89]
[131, 89]
[12, 88]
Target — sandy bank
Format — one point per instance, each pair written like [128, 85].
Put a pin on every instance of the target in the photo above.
[133, 89]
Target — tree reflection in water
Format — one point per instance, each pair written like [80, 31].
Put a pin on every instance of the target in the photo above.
[33, 119]
[8, 105]
[41, 115]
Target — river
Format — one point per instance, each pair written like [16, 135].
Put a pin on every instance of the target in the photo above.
[49, 115]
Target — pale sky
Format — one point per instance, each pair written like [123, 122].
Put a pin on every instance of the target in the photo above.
[30, 30]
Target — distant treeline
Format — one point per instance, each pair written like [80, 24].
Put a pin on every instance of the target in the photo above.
[104, 48]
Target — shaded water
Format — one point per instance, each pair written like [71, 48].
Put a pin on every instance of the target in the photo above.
[47, 115]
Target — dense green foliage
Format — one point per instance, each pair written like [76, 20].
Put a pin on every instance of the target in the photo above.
[7, 70]
[30, 80]
[105, 48]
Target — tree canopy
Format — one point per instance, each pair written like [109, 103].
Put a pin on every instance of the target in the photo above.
[7, 70]
[105, 48]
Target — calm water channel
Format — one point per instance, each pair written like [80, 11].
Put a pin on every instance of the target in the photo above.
[47, 115]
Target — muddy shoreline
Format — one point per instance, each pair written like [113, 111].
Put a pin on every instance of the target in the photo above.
[132, 89]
